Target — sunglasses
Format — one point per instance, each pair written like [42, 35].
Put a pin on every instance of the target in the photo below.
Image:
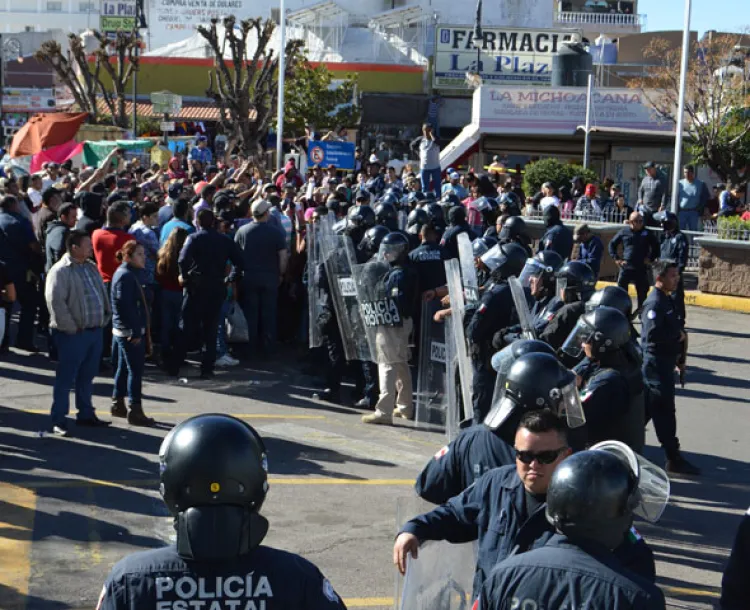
[543, 457]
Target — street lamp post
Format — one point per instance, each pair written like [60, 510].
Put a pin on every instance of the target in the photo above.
[282, 71]
[676, 172]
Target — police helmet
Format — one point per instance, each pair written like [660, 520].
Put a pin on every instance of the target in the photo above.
[592, 496]
[389, 199]
[457, 215]
[450, 199]
[394, 247]
[385, 213]
[480, 246]
[505, 260]
[395, 191]
[430, 196]
[543, 266]
[213, 460]
[668, 220]
[370, 243]
[576, 280]
[510, 200]
[513, 228]
[362, 195]
[362, 216]
[612, 296]
[504, 359]
[416, 220]
[605, 329]
[537, 381]
[435, 212]
[414, 198]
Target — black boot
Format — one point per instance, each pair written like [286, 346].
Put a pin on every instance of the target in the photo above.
[677, 464]
[137, 417]
[118, 408]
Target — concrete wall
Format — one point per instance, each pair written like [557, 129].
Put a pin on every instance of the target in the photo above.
[724, 268]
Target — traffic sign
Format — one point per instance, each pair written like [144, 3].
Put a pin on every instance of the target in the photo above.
[167, 126]
[165, 102]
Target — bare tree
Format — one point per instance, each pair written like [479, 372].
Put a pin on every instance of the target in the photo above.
[114, 61]
[716, 101]
[245, 87]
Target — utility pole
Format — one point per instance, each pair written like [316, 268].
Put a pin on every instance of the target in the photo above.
[282, 74]
[676, 170]
[587, 137]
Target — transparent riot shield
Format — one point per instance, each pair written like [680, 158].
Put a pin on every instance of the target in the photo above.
[458, 309]
[453, 413]
[379, 313]
[442, 577]
[522, 308]
[344, 297]
[402, 219]
[314, 294]
[468, 270]
[432, 380]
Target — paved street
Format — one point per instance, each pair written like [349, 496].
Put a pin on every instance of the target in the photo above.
[70, 508]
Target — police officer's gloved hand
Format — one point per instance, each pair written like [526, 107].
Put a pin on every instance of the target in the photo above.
[498, 340]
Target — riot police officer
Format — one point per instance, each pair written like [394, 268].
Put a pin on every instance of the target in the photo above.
[437, 217]
[515, 231]
[590, 502]
[214, 480]
[480, 448]
[557, 237]
[639, 249]
[609, 377]
[575, 285]
[427, 259]
[400, 289]
[386, 215]
[662, 341]
[416, 219]
[674, 246]
[457, 225]
[479, 247]
[327, 322]
[370, 243]
[619, 299]
[735, 586]
[495, 311]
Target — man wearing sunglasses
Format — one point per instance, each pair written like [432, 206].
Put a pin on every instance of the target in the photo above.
[505, 508]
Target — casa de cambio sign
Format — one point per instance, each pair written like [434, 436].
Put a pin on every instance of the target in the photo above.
[507, 55]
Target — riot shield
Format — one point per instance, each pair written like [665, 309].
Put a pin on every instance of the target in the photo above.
[458, 309]
[379, 312]
[522, 308]
[402, 219]
[314, 293]
[468, 270]
[453, 413]
[431, 398]
[344, 296]
[442, 577]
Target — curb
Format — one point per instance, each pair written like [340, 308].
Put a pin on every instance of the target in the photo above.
[701, 299]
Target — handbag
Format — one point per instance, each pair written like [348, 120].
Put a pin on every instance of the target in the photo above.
[237, 329]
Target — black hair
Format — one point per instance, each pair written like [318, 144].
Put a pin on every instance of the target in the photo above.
[109, 181]
[180, 208]
[661, 267]
[74, 238]
[65, 209]
[206, 218]
[8, 202]
[147, 209]
[540, 421]
[48, 194]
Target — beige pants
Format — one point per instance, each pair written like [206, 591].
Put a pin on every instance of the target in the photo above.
[395, 377]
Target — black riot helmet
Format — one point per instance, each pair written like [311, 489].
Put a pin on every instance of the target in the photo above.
[390, 198]
[435, 212]
[481, 245]
[544, 266]
[504, 260]
[214, 479]
[386, 215]
[592, 496]
[605, 329]
[457, 215]
[513, 228]
[510, 202]
[575, 282]
[450, 199]
[362, 216]
[394, 248]
[612, 296]
[374, 236]
[667, 220]
[414, 198]
[536, 381]
[416, 220]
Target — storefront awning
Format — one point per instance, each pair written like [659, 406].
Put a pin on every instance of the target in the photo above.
[460, 146]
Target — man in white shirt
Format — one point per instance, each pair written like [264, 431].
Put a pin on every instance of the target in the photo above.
[35, 191]
[550, 198]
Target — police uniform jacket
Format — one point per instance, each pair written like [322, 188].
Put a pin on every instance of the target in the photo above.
[401, 286]
[495, 312]
[427, 261]
[636, 247]
[735, 586]
[591, 252]
[558, 238]
[564, 321]
[450, 239]
[564, 574]
[267, 578]
[204, 257]
[459, 464]
[605, 396]
[675, 246]
[660, 335]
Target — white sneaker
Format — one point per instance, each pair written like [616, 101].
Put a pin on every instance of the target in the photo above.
[226, 360]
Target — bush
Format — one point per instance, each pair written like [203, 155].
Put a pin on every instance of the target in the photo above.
[733, 227]
[554, 171]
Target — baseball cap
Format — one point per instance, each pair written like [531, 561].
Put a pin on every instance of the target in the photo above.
[174, 192]
[212, 169]
[454, 175]
[649, 165]
[260, 207]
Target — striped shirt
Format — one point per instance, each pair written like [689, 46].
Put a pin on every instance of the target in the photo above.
[94, 314]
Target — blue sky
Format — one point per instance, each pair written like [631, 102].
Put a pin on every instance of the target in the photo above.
[720, 15]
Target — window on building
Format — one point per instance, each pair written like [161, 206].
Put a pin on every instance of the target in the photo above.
[54, 7]
[86, 7]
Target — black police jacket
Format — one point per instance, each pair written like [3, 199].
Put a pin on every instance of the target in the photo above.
[675, 246]
[605, 397]
[493, 511]
[428, 261]
[636, 247]
[735, 585]
[204, 257]
[495, 312]
[661, 326]
[558, 238]
[459, 464]
[450, 239]
[564, 321]
[265, 578]
[564, 574]
[401, 286]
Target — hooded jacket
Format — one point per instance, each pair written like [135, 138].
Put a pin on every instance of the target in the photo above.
[57, 231]
[91, 206]
[284, 179]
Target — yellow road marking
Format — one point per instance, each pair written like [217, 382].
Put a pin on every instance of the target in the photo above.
[238, 415]
[368, 602]
[17, 520]
[688, 591]
[62, 483]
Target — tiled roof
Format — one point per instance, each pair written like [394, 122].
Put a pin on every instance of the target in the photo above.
[191, 111]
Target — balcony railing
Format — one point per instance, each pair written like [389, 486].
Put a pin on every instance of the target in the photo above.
[609, 20]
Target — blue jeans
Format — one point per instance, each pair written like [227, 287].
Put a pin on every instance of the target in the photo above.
[77, 365]
[221, 335]
[688, 220]
[130, 361]
[259, 307]
[431, 175]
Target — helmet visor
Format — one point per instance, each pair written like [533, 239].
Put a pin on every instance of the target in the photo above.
[493, 257]
[570, 406]
[562, 284]
[582, 333]
[501, 409]
[390, 252]
[479, 247]
[653, 482]
[533, 268]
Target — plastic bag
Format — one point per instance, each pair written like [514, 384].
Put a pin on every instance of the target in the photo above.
[237, 330]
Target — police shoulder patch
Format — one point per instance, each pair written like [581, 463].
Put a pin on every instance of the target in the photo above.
[586, 395]
[482, 308]
[442, 452]
[634, 535]
[329, 591]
